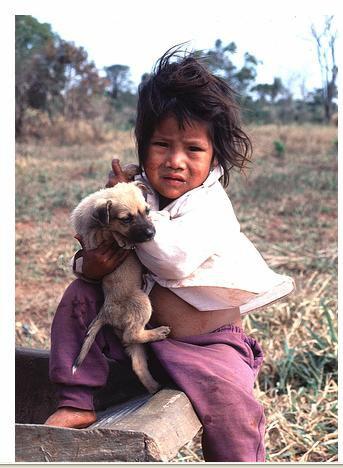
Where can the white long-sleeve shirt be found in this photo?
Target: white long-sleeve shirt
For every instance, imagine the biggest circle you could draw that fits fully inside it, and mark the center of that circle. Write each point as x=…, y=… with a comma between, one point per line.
x=201, y=255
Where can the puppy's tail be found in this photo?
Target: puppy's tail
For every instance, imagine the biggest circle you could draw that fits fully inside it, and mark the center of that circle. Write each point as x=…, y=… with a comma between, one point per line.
x=88, y=341
x=138, y=357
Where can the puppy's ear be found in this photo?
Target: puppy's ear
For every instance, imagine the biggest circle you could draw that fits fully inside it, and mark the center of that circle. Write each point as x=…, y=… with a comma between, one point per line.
x=143, y=187
x=101, y=212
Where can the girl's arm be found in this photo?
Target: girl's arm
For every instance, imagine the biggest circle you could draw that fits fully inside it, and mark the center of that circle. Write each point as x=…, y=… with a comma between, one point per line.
x=92, y=265
x=182, y=244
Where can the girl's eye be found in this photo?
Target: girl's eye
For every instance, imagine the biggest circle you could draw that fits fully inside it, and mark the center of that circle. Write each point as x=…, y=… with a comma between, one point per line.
x=195, y=148
x=160, y=143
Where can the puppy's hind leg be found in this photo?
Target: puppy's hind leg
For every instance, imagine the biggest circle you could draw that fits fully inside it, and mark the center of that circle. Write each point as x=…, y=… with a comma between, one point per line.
x=140, y=367
x=92, y=331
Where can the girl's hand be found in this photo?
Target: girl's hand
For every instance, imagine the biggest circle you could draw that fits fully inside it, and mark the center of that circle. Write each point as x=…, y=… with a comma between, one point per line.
x=103, y=260
x=118, y=175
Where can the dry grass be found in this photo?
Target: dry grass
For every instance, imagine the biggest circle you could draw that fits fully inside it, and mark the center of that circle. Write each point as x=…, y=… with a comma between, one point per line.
x=307, y=139
x=286, y=205
x=38, y=126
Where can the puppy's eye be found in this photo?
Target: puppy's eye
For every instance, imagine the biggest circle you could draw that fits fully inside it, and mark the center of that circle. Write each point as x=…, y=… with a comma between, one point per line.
x=126, y=220
x=147, y=210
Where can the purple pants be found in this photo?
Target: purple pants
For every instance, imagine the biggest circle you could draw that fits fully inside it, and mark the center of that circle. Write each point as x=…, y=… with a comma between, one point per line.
x=216, y=370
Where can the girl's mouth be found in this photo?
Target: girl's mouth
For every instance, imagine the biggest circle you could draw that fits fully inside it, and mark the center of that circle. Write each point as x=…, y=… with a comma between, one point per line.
x=176, y=177
x=173, y=181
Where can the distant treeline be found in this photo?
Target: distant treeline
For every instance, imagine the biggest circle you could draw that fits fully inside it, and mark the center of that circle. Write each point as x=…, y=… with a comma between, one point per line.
x=55, y=77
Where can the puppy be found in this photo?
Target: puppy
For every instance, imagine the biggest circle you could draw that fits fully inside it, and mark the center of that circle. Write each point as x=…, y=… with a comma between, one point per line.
x=121, y=213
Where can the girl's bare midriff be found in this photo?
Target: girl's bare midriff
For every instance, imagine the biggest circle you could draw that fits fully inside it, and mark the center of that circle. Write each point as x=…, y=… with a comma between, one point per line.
x=184, y=319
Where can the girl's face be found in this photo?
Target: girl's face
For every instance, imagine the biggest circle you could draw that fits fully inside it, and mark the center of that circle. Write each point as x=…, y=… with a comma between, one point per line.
x=178, y=160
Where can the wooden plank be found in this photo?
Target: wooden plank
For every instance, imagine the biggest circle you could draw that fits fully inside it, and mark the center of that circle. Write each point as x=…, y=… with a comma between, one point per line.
x=36, y=396
x=108, y=417
x=168, y=421
x=142, y=430
x=37, y=443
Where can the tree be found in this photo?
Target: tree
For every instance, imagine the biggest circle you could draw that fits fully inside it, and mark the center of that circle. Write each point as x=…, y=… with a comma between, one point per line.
x=82, y=81
x=52, y=75
x=325, y=42
x=262, y=90
x=272, y=91
x=30, y=39
x=118, y=76
x=277, y=89
x=219, y=61
x=247, y=74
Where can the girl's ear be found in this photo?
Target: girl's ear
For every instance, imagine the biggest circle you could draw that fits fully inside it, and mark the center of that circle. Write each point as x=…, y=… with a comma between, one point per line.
x=214, y=163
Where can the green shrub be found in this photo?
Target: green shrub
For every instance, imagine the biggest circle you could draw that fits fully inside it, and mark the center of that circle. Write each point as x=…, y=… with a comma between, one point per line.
x=279, y=148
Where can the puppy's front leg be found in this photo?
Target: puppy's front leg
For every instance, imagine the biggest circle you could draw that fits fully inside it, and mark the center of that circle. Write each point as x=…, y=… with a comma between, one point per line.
x=141, y=335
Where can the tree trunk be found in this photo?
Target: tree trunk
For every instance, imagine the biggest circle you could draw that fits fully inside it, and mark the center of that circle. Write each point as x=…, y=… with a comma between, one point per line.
x=19, y=117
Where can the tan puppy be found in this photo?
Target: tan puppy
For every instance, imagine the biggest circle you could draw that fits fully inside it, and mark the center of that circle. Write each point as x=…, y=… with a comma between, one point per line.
x=121, y=213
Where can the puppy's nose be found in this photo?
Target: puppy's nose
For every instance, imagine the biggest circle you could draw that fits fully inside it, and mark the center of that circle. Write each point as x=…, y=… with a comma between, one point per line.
x=149, y=232
x=142, y=233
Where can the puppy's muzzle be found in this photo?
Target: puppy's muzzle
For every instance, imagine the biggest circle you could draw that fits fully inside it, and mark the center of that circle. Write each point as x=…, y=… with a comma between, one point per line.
x=142, y=233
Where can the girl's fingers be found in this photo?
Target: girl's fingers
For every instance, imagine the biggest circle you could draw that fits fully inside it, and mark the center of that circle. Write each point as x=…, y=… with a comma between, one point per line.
x=116, y=175
x=119, y=254
x=117, y=170
x=107, y=246
x=78, y=237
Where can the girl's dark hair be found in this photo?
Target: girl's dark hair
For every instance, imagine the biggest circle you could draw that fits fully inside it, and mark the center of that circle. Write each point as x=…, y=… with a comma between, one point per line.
x=180, y=85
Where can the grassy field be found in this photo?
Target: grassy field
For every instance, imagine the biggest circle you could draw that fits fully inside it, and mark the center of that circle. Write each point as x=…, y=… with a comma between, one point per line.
x=286, y=204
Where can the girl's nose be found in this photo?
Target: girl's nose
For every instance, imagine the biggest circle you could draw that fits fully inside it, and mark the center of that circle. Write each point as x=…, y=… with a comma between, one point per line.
x=176, y=159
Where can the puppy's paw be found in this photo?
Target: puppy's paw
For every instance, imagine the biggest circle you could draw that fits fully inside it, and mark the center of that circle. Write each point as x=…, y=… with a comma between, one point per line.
x=162, y=332
x=153, y=387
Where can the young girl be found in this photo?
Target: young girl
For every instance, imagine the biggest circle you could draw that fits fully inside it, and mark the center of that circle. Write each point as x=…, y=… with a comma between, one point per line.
x=202, y=272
